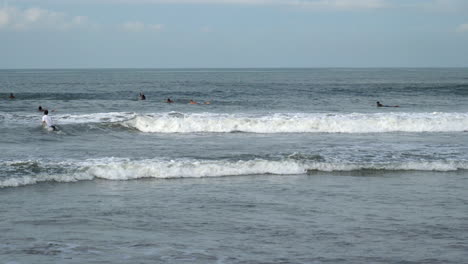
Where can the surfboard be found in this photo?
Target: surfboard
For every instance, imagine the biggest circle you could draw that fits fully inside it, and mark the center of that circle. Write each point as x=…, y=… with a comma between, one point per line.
x=48, y=128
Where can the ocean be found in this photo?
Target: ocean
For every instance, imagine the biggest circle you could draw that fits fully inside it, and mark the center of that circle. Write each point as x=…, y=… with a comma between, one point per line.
x=271, y=166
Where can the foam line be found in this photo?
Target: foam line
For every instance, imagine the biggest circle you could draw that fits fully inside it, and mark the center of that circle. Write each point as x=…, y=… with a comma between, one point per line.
x=124, y=169
x=300, y=123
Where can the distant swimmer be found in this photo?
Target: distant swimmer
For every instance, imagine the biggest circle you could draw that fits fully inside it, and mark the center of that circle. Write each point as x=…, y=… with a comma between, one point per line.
x=41, y=109
x=381, y=105
x=142, y=96
x=207, y=102
x=46, y=120
x=192, y=102
x=169, y=101
x=12, y=96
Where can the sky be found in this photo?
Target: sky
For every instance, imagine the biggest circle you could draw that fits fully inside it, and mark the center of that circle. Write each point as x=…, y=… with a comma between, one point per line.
x=233, y=33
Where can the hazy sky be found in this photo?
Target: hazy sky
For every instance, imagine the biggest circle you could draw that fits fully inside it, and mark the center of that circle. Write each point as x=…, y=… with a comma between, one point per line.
x=233, y=33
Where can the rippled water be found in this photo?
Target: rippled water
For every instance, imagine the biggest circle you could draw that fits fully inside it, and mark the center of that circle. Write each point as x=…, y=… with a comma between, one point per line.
x=283, y=165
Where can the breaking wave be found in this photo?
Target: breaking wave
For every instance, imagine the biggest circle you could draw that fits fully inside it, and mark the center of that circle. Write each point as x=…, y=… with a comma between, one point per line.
x=174, y=122
x=61, y=119
x=299, y=123
x=19, y=173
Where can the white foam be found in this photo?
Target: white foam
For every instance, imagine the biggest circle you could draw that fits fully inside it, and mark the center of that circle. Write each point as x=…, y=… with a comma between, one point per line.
x=392, y=166
x=93, y=118
x=60, y=118
x=267, y=123
x=124, y=169
x=300, y=123
x=28, y=180
x=192, y=168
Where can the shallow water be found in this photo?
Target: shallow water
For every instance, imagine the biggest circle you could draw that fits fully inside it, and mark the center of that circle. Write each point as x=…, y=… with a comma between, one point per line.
x=386, y=217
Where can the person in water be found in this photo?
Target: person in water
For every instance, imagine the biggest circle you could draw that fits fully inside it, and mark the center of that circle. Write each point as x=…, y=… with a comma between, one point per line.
x=192, y=102
x=46, y=120
x=381, y=105
x=142, y=96
x=41, y=109
x=169, y=101
x=12, y=96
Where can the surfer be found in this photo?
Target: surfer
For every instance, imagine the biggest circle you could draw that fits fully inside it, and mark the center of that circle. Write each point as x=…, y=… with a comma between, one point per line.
x=169, y=101
x=381, y=105
x=142, y=96
x=192, y=102
x=12, y=96
x=41, y=109
x=46, y=120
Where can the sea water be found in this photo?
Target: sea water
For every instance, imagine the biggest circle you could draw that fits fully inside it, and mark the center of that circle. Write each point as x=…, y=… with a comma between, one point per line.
x=271, y=166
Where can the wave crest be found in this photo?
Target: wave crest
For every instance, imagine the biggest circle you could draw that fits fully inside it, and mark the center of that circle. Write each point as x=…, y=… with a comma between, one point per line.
x=300, y=123
x=124, y=169
x=174, y=122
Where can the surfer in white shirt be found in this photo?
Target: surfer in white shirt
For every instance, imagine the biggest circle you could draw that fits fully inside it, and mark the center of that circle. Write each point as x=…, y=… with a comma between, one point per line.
x=46, y=120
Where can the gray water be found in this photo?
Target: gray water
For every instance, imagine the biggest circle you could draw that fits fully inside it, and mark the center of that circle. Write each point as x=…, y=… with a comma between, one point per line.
x=283, y=166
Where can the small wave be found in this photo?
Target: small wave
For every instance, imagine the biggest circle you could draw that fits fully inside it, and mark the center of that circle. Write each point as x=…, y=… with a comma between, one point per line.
x=61, y=119
x=300, y=123
x=125, y=169
x=94, y=117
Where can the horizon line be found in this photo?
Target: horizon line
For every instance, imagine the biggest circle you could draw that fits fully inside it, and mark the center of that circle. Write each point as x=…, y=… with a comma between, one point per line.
x=238, y=68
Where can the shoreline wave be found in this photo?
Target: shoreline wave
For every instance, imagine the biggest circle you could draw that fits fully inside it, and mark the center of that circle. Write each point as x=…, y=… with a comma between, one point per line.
x=126, y=169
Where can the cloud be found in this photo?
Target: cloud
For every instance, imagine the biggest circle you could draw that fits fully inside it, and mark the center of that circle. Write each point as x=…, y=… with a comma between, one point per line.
x=462, y=28
x=12, y=18
x=311, y=4
x=133, y=26
x=4, y=17
x=431, y=5
x=320, y=4
x=341, y=4
x=328, y=5
x=137, y=26
x=155, y=27
x=16, y=19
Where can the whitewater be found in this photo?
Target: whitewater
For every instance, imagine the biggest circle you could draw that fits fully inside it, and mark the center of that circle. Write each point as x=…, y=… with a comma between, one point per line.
x=124, y=169
x=251, y=126
x=300, y=123
x=176, y=122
